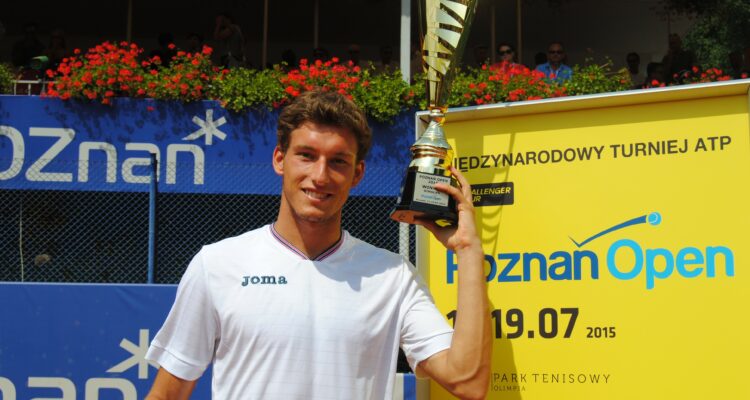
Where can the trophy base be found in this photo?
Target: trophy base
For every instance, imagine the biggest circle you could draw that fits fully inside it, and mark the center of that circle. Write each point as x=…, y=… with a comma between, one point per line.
x=419, y=200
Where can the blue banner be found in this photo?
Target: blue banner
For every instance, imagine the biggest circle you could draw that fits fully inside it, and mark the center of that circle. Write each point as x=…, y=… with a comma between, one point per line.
x=200, y=147
x=70, y=341
x=80, y=341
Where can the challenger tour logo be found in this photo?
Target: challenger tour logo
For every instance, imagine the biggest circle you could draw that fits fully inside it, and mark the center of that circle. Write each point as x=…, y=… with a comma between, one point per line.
x=625, y=259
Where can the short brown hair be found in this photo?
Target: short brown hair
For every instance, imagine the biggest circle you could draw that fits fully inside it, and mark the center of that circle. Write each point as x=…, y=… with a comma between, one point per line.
x=324, y=108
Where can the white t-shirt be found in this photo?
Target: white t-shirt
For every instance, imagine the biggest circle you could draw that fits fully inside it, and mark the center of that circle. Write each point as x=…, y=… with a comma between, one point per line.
x=277, y=325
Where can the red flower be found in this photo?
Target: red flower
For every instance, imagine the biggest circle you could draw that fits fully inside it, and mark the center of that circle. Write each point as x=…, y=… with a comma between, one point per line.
x=171, y=46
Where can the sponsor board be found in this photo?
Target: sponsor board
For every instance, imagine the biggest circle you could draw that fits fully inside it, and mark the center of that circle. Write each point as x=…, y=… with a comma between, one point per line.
x=619, y=267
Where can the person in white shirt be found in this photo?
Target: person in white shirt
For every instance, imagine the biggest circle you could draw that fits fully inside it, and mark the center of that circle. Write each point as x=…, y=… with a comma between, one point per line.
x=299, y=309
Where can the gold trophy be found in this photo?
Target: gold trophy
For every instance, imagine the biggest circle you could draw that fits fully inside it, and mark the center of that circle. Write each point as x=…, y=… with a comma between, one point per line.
x=446, y=31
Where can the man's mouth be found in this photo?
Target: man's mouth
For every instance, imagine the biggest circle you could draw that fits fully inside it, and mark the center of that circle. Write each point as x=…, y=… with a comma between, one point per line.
x=316, y=195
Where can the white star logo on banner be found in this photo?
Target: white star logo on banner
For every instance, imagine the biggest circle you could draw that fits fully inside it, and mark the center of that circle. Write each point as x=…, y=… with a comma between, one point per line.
x=138, y=356
x=208, y=128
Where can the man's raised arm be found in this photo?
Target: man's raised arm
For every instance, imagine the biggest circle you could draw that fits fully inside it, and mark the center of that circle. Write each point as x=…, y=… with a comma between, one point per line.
x=464, y=368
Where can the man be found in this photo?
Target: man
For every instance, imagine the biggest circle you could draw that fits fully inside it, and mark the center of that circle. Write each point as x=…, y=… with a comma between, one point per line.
x=232, y=42
x=634, y=69
x=554, y=69
x=481, y=56
x=300, y=309
x=677, y=60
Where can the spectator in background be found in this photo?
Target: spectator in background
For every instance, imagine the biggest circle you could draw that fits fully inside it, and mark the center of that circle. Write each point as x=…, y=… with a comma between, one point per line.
x=386, y=62
x=28, y=47
x=354, y=53
x=735, y=63
x=507, y=55
x=194, y=43
x=539, y=59
x=57, y=49
x=554, y=69
x=166, y=49
x=481, y=56
x=655, y=75
x=321, y=53
x=634, y=69
x=677, y=59
x=232, y=43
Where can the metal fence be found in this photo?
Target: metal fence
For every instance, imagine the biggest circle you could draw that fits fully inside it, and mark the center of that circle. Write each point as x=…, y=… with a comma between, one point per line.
x=102, y=236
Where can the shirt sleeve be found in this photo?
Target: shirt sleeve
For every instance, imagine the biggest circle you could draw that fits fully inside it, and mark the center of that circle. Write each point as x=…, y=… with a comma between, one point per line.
x=424, y=330
x=185, y=344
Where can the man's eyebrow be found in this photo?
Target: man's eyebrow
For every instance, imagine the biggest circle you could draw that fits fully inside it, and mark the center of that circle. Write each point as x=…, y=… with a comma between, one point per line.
x=300, y=147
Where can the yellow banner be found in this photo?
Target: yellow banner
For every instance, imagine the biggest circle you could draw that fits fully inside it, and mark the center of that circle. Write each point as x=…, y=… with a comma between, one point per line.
x=616, y=244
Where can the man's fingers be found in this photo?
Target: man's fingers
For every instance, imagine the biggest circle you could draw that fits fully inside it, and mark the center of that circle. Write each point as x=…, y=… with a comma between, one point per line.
x=427, y=223
x=465, y=186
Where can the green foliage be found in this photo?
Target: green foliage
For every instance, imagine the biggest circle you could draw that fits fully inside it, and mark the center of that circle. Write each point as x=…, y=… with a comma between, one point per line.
x=6, y=79
x=113, y=70
x=383, y=96
x=595, y=78
x=720, y=28
x=242, y=88
x=462, y=83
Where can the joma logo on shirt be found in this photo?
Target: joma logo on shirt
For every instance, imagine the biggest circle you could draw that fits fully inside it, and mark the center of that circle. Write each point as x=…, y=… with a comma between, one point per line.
x=263, y=280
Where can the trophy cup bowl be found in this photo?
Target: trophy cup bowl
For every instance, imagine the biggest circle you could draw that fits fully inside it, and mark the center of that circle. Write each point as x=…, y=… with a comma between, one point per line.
x=446, y=30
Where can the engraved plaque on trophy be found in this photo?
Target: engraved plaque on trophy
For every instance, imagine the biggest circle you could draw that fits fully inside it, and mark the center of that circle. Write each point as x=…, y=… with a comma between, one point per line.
x=446, y=29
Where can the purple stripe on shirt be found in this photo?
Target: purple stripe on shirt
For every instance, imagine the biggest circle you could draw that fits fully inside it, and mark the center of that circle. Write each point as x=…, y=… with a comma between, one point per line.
x=291, y=247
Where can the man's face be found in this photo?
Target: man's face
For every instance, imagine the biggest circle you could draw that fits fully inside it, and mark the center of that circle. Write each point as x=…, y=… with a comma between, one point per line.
x=555, y=53
x=318, y=170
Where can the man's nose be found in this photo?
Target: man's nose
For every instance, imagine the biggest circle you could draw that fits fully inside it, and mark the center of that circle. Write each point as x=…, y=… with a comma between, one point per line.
x=320, y=173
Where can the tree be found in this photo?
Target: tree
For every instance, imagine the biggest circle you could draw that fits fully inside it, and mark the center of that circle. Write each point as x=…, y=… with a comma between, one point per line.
x=720, y=28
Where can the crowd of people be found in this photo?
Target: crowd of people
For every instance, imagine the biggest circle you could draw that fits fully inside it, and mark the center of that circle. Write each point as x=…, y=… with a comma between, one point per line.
x=674, y=66
x=32, y=56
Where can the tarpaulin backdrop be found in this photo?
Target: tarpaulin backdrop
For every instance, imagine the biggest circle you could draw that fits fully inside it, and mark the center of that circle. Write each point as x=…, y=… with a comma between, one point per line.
x=615, y=232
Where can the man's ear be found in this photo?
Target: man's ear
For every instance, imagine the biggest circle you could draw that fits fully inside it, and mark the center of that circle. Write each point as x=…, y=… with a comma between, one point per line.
x=278, y=161
x=359, y=173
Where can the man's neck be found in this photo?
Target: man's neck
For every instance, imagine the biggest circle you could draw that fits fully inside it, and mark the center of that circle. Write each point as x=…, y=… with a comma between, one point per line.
x=311, y=238
x=555, y=66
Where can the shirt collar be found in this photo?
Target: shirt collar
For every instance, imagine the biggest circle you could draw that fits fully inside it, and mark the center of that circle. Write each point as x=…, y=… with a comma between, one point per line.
x=322, y=256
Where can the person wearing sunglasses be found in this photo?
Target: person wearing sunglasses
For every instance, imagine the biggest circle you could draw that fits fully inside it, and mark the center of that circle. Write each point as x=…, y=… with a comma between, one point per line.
x=555, y=69
x=506, y=52
x=507, y=60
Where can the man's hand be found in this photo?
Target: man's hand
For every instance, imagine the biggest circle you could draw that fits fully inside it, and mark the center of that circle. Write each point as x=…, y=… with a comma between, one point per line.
x=464, y=234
